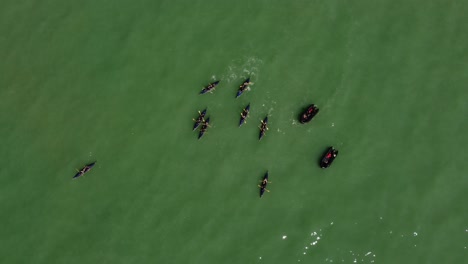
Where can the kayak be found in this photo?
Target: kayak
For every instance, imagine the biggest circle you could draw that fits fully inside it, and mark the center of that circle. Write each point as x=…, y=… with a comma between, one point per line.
x=263, y=127
x=244, y=115
x=210, y=87
x=84, y=170
x=204, y=127
x=308, y=114
x=200, y=119
x=328, y=157
x=263, y=184
x=243, y=87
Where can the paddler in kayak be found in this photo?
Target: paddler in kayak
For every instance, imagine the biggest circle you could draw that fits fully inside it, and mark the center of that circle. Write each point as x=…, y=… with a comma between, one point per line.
x=200, y=119
x=263, y=184
x=204, y=127
x=84, y=170
x=263, y=127
x=244, y=114
x=209, y=88
x=243, y=87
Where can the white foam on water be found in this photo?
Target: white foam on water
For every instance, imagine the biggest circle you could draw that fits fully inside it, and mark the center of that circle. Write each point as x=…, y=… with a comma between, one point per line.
x=233, y=76
x=284, y=237
x=368, y=253
x=242, y=68
x=316, y=236
x=415, y=234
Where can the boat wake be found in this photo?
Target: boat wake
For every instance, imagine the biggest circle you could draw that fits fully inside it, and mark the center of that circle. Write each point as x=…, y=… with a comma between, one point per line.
x=242, y=69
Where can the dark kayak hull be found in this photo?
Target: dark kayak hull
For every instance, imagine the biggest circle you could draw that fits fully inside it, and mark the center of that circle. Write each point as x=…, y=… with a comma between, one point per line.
x=328, y=158
x=263, y=131
x=80, y=173
x=243, y=118
x=263, y=185
x=242, y=88
x=199, y=120
x=200, y=134
x=308, y=114
x=208, y=88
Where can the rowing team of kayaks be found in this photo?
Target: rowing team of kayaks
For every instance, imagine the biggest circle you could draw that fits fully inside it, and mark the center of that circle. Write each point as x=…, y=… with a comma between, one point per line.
x=200, y=120
x=203, y=123
x=212, y=86
x=305, y=117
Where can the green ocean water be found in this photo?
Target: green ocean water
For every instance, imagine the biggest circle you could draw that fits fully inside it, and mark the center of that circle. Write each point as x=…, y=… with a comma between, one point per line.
x=117, y=82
